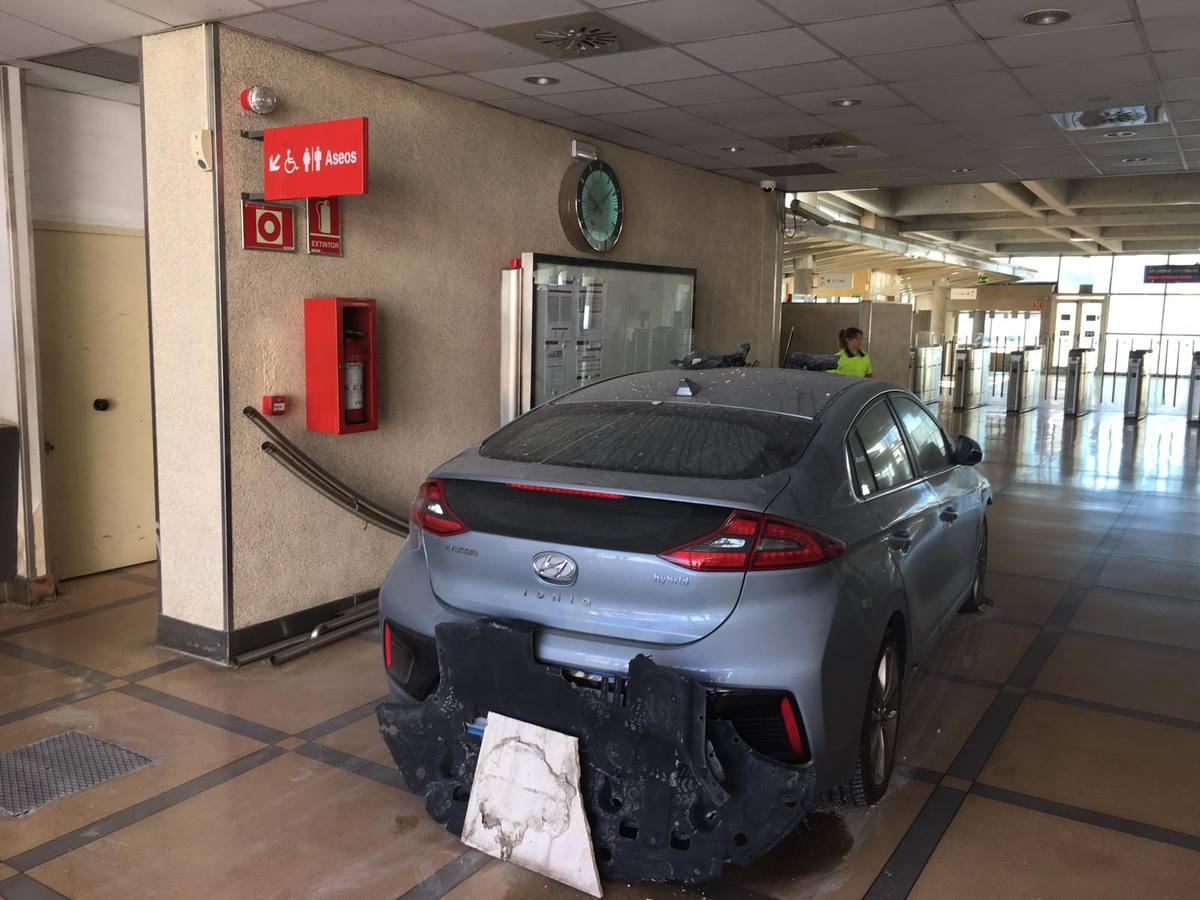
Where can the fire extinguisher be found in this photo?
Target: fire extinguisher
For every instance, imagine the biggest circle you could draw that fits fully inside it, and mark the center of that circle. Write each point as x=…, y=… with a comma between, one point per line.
x=355, y=356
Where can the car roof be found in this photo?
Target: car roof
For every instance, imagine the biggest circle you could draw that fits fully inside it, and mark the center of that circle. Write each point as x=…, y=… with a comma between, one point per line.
x=793, y=392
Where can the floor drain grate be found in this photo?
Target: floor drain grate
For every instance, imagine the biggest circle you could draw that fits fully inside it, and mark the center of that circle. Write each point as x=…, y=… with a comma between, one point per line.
x=55, y=767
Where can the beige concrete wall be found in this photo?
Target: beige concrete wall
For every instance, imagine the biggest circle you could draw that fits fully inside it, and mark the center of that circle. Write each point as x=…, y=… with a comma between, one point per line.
x=183, y=286
x=887, y=328
x=457, y=188
x=889, y=338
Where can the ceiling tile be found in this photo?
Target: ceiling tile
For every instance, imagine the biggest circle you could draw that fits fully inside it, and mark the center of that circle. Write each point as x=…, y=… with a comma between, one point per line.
x=965, y=95
x=1189, y=142
x=1173, y=33
x=1002, y=18
x=691, y=91
x=1186, y=117
x=750, y=153
x=293, y=31
x=1178, y=63
x=1155, y=168
x=376, y=22
x=185, y=12
x=1182, y=89
x=677, y=21
x=671, y=125
x=912, y=137
x=1140, y=133
x=386, y=61
x=569, y=79
x=764, y=50
x=582, y=124
x=835, y=73
x=1116, y=95
x=740, y=174
x=784, y=125
x=930, y=62
x=1059, y=77
x=122, y=93
x=467, y=87
x=908, y=30
x=685, y=156
x=893, y=117
x=532, y=108
x=607, y=131
x=1016, y=131
x=489, y=13
x=1082, y=43
x=644, y=66
x=873, y=96
x=733, y=111
x=19, y=38
x=95, y=22
x=1152, y=9
x=807, y=12
x=470, y=51
x=1156, y=147
x=606, y=100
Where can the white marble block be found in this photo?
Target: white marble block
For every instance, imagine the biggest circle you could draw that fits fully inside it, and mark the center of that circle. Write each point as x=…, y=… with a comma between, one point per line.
x=525, y=805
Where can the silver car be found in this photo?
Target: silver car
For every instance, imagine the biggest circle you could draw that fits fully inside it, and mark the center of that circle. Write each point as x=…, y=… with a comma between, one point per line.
x=716, y=582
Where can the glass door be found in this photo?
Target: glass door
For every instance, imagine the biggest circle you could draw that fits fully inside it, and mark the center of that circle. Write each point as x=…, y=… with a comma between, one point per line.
x=1077, y=324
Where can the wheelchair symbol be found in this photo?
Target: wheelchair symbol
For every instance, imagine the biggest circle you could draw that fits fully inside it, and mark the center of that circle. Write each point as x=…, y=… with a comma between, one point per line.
x=289, y=164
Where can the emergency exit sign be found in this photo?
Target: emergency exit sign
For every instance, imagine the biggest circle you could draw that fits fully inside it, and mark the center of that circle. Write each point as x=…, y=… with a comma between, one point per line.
x=320, y=159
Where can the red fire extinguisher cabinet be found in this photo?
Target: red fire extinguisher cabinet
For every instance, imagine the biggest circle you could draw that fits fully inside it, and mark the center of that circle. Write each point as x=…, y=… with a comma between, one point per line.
x=339, y=364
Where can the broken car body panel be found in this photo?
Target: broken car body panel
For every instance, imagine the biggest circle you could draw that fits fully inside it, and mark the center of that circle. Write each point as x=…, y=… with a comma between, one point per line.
x=670, y=796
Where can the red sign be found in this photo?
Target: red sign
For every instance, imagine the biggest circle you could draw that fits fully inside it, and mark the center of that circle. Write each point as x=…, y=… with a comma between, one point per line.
x=266, y=226
x=321, y=159
x=325, y=226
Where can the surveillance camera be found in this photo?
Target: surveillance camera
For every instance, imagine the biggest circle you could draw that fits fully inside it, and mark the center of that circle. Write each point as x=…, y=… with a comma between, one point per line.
x=202, y=149
x=767, y=185
x=808, y=213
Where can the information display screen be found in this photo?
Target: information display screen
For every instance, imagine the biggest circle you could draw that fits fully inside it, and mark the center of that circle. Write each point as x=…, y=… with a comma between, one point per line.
x=594, y=320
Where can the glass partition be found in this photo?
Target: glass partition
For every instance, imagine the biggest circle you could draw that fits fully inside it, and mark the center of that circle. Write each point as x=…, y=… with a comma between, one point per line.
x=594, y=320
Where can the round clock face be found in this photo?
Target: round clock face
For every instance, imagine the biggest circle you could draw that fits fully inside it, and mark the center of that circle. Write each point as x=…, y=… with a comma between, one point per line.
x=594, y=207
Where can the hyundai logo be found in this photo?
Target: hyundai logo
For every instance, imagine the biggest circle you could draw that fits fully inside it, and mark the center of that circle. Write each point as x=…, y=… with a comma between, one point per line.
x=554, y=568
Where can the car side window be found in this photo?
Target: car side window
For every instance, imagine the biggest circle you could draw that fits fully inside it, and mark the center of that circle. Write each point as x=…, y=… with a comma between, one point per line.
x=886, y=456
x=864, y=479
x=928, y=441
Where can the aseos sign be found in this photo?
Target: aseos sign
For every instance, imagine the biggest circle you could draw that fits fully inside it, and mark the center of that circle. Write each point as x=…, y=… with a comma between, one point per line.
x=321, y=159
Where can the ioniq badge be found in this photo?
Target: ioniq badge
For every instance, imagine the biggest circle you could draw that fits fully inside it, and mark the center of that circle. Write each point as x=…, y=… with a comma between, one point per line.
x=554, y=568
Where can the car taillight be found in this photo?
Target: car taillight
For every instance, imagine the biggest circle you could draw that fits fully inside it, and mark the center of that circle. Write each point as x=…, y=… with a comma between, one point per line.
x=750, y=542
x=387, y=644
x=726, y=549
x=431, y=512
x=573, y=492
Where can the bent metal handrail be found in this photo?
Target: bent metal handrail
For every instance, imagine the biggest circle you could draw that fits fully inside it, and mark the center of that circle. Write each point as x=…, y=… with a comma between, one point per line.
x=300, y=465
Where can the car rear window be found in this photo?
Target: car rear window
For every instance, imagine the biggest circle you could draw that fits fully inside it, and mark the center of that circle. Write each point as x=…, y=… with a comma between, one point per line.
x=684, y=440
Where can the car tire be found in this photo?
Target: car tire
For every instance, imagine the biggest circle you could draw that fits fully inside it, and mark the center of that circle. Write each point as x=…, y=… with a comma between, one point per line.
x=881, y=727
x=977, y=600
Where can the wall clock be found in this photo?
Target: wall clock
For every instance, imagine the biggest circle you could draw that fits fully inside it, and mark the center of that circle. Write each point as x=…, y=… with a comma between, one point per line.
x=592, y=206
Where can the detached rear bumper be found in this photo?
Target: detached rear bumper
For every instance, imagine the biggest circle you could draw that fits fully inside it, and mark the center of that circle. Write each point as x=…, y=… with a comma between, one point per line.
x=669, y=795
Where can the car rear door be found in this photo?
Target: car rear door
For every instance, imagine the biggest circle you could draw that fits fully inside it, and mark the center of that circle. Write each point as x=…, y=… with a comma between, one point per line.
x=960, y=502
x=906, y=509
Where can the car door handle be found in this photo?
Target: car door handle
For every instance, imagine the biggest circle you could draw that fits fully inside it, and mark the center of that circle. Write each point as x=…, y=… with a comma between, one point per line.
x=900, y=540
x=949, y=514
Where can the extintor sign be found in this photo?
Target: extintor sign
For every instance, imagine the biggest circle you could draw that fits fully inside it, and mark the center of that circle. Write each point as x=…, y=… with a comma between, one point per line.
x=324, y=226
x=321, y=159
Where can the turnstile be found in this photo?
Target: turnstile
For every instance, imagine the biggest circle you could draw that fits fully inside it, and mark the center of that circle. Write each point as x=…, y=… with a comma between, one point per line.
x=1137, y=386
x=970, y=377
x=1081, y=386
x=925, y=373
x=1193, y=407
x=1024, y=379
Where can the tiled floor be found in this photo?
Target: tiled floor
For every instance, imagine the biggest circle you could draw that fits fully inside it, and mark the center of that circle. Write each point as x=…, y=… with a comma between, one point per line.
x=1047, y=748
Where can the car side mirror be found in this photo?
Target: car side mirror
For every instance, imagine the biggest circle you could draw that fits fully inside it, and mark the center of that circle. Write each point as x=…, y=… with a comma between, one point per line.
x=967, y=452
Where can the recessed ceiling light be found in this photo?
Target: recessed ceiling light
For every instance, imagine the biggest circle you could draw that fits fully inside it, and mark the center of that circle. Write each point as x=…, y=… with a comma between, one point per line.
x=733, y=148
x=965, y=170
x=845, y=101
x=1082, y=240
x=1124, y=133
x=1046, y=17
x=540, y=80
x=1137, y=159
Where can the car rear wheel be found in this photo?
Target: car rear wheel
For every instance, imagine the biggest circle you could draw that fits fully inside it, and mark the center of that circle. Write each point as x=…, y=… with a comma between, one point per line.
x=977, y=600
x=881, y=727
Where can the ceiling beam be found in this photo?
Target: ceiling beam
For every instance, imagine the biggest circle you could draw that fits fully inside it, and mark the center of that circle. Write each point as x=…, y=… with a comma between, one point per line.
x=880, y=202
x=1013, y=198
x=1053, y=193
x=1151, y=216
